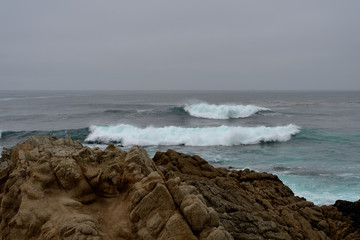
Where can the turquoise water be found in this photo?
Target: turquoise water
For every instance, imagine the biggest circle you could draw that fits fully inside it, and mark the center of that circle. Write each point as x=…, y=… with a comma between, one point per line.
x=320, y=166
x=311, y=140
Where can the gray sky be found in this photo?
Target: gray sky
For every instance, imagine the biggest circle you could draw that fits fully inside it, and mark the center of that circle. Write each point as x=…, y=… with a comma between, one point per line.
x=201, y=44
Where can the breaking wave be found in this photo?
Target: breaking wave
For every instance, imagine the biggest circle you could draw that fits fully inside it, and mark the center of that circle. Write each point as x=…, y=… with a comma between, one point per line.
x=212, y=111
x=208, y=136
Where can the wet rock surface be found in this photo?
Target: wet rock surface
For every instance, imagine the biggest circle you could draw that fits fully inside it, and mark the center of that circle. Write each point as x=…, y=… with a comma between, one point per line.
x=58, y=189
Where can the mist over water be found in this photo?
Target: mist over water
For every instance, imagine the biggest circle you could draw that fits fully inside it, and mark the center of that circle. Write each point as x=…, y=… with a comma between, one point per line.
x=309, y=139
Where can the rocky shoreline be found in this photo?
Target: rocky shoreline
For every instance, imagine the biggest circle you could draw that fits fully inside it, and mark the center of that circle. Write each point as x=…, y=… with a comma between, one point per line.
x=59, y=189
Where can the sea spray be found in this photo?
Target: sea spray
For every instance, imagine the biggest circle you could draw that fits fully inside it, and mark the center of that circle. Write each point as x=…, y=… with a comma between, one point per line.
x=212, y=111
x=206, y=136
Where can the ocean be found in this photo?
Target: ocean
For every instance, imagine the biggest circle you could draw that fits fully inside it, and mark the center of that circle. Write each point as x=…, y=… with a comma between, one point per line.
x=311, y=140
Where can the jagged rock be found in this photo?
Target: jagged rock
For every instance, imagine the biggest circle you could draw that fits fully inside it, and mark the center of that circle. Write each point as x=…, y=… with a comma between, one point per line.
x=195, y=212
x=153, y=210
x=253, y=205
x=58, y=189
x=176, y=228
x=219, y=234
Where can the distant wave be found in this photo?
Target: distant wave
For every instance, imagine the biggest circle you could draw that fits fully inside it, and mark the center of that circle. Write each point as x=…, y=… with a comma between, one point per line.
x=26, y=98
x=178, y=110
x=212, y=111
x=128, y=111
x=207, y=136
x=6, y=99
x=15, y=136
x=119, y=111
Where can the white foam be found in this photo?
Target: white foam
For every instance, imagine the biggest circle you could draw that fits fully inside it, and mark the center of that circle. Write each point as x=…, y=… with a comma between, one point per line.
x=325, y=197
x=209, y=136
x=212, y=111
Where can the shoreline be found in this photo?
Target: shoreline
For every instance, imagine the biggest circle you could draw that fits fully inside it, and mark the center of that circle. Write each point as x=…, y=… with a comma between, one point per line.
x=215, y=164
x=113, y=194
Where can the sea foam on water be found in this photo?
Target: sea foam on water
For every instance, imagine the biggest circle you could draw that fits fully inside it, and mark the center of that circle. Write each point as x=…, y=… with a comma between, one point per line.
x=212, y=111
x=205, y=136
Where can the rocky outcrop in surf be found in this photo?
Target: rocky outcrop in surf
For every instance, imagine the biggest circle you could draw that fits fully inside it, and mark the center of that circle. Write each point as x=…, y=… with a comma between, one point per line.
x=59, y=189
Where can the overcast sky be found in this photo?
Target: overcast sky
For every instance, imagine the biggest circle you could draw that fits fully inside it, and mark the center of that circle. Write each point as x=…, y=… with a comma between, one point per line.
x=197, y=44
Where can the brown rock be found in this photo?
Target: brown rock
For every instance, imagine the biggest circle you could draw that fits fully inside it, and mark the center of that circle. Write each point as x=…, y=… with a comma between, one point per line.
x=350, y=209
x=177, y=229
x=57, y=189
x=251, y=205
x=196, y=214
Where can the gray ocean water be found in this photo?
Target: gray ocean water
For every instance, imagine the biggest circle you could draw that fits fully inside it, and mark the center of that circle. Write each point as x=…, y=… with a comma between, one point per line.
x=311, y=140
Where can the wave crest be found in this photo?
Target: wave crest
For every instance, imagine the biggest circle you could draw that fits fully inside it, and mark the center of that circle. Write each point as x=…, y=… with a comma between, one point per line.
x=207, y=136
x=212, y=111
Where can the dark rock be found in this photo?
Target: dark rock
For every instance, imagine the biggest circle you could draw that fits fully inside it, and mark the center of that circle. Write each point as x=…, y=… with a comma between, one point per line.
x=351, y=210
x=253, y=205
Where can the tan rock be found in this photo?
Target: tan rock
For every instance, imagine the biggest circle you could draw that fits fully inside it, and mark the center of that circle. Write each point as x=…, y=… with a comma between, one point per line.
x=140, y=160
x=58, y=189
x=176, y=229
x=219, y=234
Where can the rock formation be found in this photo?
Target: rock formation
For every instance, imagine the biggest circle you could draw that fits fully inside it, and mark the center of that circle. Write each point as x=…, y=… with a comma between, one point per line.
x=59, y=189
x=351, y=210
